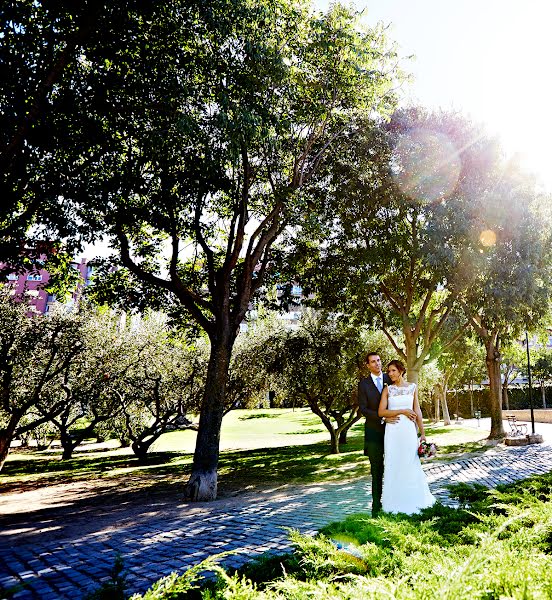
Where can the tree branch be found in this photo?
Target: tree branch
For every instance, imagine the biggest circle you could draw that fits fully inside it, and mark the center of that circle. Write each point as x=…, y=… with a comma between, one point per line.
x=189, y=299
x=387, y=333
x=8, y=153
x=475, y=322
x=205, y=246
x=423, y=310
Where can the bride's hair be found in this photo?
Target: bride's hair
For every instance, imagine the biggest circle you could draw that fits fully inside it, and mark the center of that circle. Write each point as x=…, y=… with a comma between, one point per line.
x=398, y=365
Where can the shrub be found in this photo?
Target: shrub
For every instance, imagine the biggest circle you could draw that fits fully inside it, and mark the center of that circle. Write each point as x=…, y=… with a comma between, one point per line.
x=498, y=544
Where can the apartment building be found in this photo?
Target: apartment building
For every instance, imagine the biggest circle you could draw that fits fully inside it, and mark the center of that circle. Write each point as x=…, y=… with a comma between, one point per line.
x=32, y=284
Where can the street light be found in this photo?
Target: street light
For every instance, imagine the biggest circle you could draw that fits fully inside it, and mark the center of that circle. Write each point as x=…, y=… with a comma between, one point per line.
x=530, y=384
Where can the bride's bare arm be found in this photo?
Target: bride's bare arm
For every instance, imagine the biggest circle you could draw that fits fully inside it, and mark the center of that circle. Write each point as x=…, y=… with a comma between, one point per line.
x=418, y=411
x=383, y=411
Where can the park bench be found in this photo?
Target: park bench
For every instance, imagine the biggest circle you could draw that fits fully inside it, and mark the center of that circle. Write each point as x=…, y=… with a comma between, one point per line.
x=516, y=429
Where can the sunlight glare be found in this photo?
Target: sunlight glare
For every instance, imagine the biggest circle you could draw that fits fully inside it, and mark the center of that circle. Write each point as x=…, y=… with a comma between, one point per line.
x=487, y=238
x=428, y=165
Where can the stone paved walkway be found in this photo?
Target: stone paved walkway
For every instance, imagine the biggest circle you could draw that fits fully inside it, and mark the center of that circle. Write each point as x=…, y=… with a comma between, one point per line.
x=67, y=560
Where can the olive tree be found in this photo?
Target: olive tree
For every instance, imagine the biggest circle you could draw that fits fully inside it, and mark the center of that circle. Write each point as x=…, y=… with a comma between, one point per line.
x=320, y=364
x=35, y=353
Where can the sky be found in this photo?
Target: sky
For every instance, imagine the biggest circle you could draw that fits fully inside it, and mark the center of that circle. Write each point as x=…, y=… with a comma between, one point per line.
x=489, y=59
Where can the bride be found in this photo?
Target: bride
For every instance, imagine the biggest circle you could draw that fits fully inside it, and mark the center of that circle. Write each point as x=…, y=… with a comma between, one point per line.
x=405, y=488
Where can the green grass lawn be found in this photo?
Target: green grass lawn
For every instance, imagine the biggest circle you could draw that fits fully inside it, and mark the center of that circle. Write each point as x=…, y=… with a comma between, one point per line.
x=257, y=448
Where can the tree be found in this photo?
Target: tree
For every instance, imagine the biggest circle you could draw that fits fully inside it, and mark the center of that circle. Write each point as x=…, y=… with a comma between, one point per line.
x=457, y=226
x=320, y=364
x=542, y=370
x=460, y=364
x=509, y=268
x=513, y=357
x=475, y=368
x=93, y=380
x=35, y=352
x=192, y=137
x=161, y=388
x=249, y=380
x=390, y=245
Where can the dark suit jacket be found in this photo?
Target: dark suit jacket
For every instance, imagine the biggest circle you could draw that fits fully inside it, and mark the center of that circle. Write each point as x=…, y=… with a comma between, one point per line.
x=368, y=401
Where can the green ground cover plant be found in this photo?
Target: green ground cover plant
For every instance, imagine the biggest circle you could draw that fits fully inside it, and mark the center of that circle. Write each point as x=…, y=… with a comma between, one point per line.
x=496, y=544
x=261, y=447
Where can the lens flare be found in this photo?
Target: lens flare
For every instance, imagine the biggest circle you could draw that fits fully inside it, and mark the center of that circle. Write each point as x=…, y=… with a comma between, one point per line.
x=487, y=238
x=427, y=165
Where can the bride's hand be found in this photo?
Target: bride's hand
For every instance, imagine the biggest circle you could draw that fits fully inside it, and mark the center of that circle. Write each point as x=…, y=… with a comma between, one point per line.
x=410, y=414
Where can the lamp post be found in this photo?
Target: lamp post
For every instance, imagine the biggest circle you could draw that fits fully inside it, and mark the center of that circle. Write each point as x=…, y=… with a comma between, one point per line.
x=530, y=383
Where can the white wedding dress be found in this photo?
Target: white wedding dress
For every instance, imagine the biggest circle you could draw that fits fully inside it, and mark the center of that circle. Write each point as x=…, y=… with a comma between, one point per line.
x=405, y=488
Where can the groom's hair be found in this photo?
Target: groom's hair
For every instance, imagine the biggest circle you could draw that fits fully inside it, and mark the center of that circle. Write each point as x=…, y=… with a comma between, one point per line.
x=367, y=359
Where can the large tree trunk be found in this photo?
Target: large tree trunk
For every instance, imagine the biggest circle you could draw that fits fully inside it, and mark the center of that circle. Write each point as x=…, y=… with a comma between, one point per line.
x=67, y=444
x=412, y=370
x=334, y=441
x=413, y=364
x=492, y=361
x=343, y=426
x=441, y=400
x=141, y=449
x=67, y=453
x=202, y=485
x=7, y=435
x=343, y=436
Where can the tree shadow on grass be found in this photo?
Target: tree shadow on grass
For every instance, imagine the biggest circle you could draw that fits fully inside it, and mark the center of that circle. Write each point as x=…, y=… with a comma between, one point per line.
x=293, y=464
x=157, y=487
x=238, y=469
x=47, y=470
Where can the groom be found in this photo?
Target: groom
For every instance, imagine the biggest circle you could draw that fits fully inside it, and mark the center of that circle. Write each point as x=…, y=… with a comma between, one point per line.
x=369, y=394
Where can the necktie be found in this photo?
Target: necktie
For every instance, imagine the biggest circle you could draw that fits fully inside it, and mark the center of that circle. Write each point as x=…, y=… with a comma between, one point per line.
x=378, y=383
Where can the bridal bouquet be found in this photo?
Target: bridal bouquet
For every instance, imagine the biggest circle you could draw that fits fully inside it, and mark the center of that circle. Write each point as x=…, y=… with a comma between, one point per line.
x=427, y=449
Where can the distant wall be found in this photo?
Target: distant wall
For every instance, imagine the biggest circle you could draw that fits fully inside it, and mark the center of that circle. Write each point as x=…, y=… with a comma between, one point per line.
x=518, y=400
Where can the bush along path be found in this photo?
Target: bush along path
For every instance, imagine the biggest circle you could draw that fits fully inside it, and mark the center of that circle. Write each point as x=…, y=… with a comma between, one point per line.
x=496, y=544
x=37, y=562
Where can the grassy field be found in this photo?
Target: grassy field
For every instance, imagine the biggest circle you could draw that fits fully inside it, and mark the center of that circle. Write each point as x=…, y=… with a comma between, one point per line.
x=257, y=448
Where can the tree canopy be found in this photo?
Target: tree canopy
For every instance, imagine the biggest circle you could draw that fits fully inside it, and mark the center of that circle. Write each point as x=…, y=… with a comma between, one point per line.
x=43, y=46
x=390, y=247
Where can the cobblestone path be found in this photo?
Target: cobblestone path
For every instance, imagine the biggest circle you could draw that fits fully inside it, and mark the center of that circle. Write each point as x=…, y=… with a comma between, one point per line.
x=55, y=561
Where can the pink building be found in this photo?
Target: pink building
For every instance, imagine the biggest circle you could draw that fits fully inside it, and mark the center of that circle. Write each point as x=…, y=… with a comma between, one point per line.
x=33, y=283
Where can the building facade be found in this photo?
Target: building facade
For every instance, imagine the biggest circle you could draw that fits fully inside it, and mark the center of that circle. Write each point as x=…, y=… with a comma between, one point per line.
x=32, y=284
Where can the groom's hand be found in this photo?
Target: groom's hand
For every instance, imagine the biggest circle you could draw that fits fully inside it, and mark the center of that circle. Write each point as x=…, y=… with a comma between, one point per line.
x=392, y=420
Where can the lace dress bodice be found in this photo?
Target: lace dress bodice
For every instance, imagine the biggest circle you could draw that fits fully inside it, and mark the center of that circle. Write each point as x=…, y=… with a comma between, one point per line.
x=400, y=396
